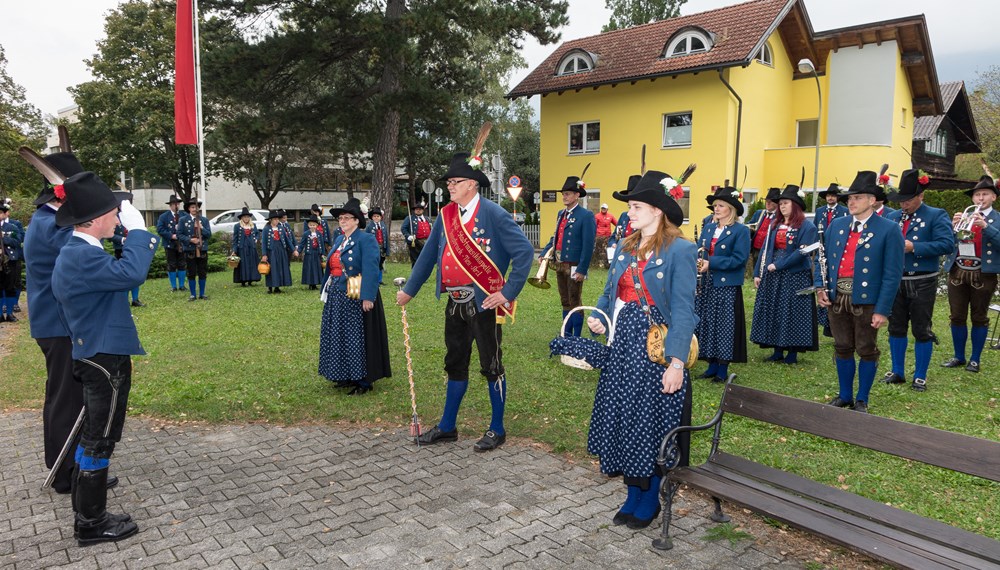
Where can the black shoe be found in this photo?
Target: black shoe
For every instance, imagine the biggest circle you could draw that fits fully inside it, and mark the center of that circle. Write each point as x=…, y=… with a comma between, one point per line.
x=861, y=406
x=840, y=403
x=919, y=385
x=490, y=441
x=775, y=358
x=953, y=363
x=707, y=374
x=138, y=303
x=827, y=332
x=12, y=319
x=277, y=290
x=203, y=297
x=621, y=518
x=893, y=378
x=270, y=290
x=636, y=523
x=435, y=435
x=93, y=523
x=973, y=366
x=718, y=380
x=359, y=389
x=17, y=308
x=192, y=298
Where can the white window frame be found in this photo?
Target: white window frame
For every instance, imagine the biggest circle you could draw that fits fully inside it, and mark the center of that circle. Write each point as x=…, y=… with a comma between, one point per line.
x=765, y=55
x=584, y=149
x=575, y=58
x=798, y=127
x=663, y=133
x=937, y=145
x=684, y=39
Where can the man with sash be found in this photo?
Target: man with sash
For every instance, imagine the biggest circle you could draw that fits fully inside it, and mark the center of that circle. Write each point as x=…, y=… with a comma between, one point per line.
x=573, y=242
x=972, y=270
x=864, y=255
x=927, y=235
x=472, y=242
x=416, y=229
x=166, y=226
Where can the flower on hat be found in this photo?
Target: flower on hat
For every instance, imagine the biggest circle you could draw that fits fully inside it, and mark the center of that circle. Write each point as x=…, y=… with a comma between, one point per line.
x=923, y=178
x=581, y=185
x=672, y=187
x=59, y=191
x=884, y=179
x=476, y=162
x=736, y=194
x=801, y=193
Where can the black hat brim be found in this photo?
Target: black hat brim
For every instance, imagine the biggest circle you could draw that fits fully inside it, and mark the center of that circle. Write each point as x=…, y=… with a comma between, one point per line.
x=736, y=204
x=657, y=199
x=45, y=196
x=64, y=217
x=336, y=212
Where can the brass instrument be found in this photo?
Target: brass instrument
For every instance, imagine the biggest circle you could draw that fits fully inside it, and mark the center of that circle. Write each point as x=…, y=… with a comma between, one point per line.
x=700, y=259
x=963, y=229
x=541, y=278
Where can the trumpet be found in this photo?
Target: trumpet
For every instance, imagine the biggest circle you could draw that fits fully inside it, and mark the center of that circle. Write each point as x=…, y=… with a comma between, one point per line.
x=963, y=228
x=541, y=278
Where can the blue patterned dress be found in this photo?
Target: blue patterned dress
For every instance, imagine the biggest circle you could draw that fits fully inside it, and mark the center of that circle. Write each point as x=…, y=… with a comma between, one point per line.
x=312, y=247
x=781, y=318
x=245, y=245
x=276, y=249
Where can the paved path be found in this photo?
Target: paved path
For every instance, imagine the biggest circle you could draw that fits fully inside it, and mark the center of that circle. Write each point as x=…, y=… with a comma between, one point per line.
x=256, y=496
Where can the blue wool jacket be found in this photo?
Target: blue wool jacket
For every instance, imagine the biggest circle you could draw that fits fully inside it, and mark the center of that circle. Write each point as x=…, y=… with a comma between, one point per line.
x=371, y=228
x=619, y=233
x=932, y=236
x=268, y=243
x=991, y=246
x=804, y=235
x=90, y=286
x=359, y=256
x=409, y=227
x=578, y=238
x=185, y=231
x=839, y=211
x=499, y=236
x=670, y=278
x=12, y=238
x=118, y=240
x=878, y=261
x=886, y=210
x=166, y=227
x=728, y=265
x=42, y=243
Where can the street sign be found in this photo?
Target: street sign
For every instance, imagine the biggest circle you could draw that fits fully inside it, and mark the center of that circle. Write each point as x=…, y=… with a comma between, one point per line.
x=438, y=194
x=513, y=182
x=514, y=192
x=537, y=197
x=428, y=186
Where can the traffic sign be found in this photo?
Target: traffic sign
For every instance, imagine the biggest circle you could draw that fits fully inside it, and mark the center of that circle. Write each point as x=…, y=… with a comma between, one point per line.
x=513, y=182
x=428, y=186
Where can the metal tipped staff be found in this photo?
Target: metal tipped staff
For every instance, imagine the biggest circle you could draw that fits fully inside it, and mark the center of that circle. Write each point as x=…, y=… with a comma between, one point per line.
x=415, y=420
x=65, y=450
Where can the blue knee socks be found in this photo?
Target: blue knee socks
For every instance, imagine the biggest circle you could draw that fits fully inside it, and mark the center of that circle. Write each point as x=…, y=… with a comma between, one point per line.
x=201, y=286
x=191, y=285
x=897, y=350
x=922, y=358
x=135, y=294
x=866, y=377
x=79, y=454
x=93, y=463
x=631, y=500
x=649, y=500
x=713, y=369
x=845, y=377
x=978, y=341
x=723, y=370
x=172, y=275
x=498, y=399
x=181, y=276
x=452, y=401
x=958, y=337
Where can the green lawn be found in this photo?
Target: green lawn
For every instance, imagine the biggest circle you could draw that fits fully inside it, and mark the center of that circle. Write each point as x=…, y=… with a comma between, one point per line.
x=244, y=356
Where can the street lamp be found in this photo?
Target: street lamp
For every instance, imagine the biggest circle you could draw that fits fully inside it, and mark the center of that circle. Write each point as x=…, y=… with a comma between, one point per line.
x=806, y=66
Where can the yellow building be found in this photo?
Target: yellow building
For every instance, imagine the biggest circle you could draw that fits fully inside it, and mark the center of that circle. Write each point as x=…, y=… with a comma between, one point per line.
x=727, y=89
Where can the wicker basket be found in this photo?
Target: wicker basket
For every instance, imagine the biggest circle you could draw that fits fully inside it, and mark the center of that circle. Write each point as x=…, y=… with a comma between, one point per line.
x=233, y=261
x=577, y=362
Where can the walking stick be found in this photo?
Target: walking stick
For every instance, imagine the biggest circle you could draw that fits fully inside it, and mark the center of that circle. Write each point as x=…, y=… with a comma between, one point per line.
x=65, y=450
x=414, y=421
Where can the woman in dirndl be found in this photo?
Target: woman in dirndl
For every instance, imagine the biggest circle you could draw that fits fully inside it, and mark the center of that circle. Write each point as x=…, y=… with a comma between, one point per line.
x=246, y=236
x=312, y=248
x=276, y=243
x=783, y=319
x=353, y=341
x=722, y=259
x=651, y=280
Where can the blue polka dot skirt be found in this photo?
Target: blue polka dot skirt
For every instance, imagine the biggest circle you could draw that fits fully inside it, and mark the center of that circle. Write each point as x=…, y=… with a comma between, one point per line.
x=342, y=340
x=782, y=319
x=631, y=415
x=722, y=328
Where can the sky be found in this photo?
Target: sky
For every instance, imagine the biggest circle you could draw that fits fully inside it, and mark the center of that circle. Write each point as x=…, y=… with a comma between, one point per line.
x=47, y=42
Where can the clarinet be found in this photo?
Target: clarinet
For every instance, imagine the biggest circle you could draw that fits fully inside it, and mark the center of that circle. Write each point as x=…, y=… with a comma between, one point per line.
x=821, y=254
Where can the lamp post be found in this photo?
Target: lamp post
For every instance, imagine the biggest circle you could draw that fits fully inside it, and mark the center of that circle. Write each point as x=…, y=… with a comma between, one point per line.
x=806, y=66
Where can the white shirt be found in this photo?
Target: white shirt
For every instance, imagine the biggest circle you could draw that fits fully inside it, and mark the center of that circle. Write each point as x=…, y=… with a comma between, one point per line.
x=863, y=222
x=88, y=238
x=469, y=208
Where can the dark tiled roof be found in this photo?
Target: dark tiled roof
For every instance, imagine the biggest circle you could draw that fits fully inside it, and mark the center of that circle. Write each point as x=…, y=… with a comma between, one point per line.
x=925, y=127
x=635, y=53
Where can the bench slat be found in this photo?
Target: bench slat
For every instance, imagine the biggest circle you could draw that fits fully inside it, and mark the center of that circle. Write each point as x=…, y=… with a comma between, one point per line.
x=806, y=517
x=962, y=453
x=936, y=537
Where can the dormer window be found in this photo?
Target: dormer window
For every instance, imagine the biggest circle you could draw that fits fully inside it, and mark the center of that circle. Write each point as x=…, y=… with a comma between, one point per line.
x=576, y=62
x=687, y=42
x=765, y=56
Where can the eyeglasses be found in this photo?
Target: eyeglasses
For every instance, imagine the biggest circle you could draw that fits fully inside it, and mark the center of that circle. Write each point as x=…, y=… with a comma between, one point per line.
x=457, y=181
x=343, y=217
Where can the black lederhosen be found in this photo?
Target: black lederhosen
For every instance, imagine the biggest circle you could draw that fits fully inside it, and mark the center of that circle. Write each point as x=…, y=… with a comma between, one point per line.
x=464, y=324
x=914, y=305
x=176, y=260
x=107, y=380
x=970, y=290
x=197, y=266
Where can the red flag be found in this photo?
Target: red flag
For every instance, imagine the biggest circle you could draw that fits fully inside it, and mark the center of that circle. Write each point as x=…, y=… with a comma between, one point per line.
x=185, y=111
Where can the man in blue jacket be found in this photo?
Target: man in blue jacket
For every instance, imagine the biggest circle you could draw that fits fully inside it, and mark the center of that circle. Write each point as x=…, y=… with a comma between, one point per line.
x=193, y=232
x=864, y=254
x=166, y=226
x=10, y=264
x=576, y=230
x=830, y=211
x=927, y=235
x=472, y=243
x=91, y=288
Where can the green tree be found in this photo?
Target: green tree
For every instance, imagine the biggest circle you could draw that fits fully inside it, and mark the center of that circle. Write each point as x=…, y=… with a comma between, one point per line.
x=985, y=101
x=21, y=124
x=628, y=13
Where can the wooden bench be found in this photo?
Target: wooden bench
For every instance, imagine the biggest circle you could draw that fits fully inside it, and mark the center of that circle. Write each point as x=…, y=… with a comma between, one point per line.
x=897, y=537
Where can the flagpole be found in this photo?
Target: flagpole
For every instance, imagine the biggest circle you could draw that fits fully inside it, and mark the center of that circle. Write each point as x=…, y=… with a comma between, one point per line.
x=198, y=106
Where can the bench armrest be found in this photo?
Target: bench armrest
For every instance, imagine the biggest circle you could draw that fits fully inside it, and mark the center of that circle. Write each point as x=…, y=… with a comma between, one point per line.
x=669, y=455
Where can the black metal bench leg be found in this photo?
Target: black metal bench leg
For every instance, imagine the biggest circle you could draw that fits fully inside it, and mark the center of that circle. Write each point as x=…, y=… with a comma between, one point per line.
x=667, y=490
x=719, y=516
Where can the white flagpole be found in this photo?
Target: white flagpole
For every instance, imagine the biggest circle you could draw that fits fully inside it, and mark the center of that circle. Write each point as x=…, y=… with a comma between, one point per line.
x=201, y=125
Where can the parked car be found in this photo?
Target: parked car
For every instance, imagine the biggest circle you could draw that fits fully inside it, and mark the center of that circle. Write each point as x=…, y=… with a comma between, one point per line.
x=225, y=221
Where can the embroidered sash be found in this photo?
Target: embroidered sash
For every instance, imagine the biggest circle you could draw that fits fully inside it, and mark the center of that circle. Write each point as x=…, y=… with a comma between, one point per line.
x=474, y=261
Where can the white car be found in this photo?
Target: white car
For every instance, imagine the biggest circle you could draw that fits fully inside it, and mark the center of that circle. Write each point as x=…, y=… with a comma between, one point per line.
x=225, y=221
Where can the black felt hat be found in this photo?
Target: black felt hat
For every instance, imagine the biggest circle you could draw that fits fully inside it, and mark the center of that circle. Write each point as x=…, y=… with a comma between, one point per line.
x=86, y=197
x=573, y=183
x=174, y=199
x=834, y=189
x=420, y=205
x=865, y=182
x=352, y=207
x=313, y=218
x=985, y=183
x=245, y=212
x=189, y=203
x=651, y=190
x=772, y=194
x=728, y=195
x=4, y=206
x=67, y=164
x=316, y=208
x=793, y=193
x=459, y=167
x=272, y=214
x=909, y=186
x=375, y=211
x=632, y=181
x=282, y=213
